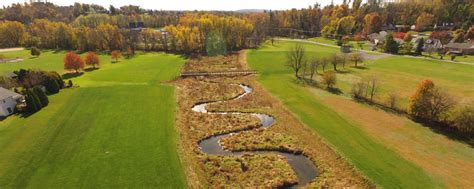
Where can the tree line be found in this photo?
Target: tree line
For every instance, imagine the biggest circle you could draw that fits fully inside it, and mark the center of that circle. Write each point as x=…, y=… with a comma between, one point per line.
x=190, y=35
x=75, y=25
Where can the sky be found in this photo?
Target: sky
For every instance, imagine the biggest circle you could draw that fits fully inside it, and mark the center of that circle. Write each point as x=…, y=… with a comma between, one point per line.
x=194, y=4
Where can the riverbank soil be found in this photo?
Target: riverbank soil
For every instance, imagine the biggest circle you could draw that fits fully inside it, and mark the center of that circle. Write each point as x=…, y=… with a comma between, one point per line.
x=249, y=170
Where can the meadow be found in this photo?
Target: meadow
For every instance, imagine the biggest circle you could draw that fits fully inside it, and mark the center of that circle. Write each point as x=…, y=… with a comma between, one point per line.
x=115, y=130
x=387, y=155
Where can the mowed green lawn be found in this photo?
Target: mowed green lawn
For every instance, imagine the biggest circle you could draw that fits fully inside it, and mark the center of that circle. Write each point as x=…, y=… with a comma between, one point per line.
x=115, y=131
x=396, y=74
x=380, y=164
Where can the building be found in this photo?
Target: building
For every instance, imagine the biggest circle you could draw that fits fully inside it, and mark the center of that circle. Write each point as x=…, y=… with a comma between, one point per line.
x=8, y=101
x=462, y=48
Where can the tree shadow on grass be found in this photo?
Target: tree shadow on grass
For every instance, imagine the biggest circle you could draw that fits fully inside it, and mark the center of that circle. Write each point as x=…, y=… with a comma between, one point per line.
x=72, y=75
x=344, y=71
x=360, y=67
x=334, y=90
x=446, y=130
x=90, y=69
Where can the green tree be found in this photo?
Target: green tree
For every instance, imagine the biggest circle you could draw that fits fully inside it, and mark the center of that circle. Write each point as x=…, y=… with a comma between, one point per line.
x=35, y=52
x=215, y=44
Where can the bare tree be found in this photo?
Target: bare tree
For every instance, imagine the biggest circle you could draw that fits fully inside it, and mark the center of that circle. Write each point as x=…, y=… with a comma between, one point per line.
x=296, y=57
x=393, y=99
x=359, y=90
x=314, y=68
x=373, y=87
x=304, y=66
x=335, y=59
x=356, y=58
x=324, y=63
x=442, y=102
x=343, y=60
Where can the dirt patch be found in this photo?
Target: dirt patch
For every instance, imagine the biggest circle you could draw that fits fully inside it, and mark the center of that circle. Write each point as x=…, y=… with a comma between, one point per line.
x=451, y=161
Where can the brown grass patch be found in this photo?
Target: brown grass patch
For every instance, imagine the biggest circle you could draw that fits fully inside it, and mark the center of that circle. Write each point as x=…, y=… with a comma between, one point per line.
x=438, y=155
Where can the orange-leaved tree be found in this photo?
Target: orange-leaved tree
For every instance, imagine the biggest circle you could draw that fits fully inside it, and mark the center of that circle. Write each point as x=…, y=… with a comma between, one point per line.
x=72, y=61
x=429, y=102
x=115, y=55
x=92, y=59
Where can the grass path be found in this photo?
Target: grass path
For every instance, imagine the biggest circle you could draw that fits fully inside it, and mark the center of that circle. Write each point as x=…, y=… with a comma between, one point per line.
x=115, y=131
x=381, y=164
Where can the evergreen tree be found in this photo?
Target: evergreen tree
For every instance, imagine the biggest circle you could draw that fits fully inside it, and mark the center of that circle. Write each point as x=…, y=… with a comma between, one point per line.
x=31, y=102
x=391, y=46
x=41, y=96
x=419, y=46
x=215, y=44
x=52, y=85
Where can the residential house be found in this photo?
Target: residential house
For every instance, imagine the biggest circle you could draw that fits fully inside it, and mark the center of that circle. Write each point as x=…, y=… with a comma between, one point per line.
x=8, y=101
x=462, y=48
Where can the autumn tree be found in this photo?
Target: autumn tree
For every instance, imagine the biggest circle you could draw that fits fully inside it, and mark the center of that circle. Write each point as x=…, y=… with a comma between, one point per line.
x=423, y=21
x=345, y=25
x=12, y=34
x=429, y=102
x=329, y=79
x=72, y=61
x=372, y=23
x=115, y=55
x=92, y=59
x=296, y=57
x=443, y=36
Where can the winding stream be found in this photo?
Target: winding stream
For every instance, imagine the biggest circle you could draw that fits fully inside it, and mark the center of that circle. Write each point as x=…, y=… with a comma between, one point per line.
x=302, y=165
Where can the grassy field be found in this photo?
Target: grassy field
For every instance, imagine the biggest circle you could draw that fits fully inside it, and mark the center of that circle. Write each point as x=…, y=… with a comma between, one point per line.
x=380, y=163
x=116, y=130
x=397, y=74
x=48, y=60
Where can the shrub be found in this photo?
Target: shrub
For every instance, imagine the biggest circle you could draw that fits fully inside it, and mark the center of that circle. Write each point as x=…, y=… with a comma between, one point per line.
x=35, y=51
x=358, y=90
x=393, y=100
x=463, y=119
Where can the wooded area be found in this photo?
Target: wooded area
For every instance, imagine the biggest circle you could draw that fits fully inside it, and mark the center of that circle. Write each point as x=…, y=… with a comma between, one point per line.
x=87, y=27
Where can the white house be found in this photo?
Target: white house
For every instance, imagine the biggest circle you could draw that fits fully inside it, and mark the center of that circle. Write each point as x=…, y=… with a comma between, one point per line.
x=8, y=101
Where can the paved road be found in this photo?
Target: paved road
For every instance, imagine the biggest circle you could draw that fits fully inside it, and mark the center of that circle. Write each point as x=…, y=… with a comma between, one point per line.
x=382, y=55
